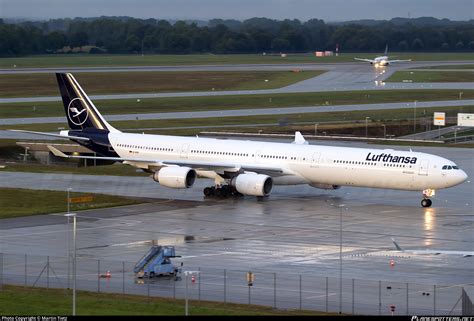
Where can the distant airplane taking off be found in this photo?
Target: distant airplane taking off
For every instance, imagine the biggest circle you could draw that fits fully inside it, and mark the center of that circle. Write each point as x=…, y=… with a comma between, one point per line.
x=248, y=167
x=381, y=60
x=434, y=252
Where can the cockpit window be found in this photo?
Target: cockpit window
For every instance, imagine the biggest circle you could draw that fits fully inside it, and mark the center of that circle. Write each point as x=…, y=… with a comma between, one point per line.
x=448, y=167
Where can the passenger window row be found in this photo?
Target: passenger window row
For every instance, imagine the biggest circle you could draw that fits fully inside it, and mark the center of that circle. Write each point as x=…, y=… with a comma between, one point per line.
x=163, y=149
x=209, y=152
x=275, y=156
x=353, y=162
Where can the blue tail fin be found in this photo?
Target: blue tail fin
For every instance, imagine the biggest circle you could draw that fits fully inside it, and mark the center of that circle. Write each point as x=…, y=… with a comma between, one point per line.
x=80, y=111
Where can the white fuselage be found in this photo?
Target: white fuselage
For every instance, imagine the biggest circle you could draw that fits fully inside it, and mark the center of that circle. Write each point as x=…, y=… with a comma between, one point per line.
x=381, y=61
x=303, y=164
x=437, y=252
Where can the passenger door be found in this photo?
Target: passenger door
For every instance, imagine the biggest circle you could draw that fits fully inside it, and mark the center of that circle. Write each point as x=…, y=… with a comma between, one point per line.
x=315, y=159
x=423, y=167
x=184, y=151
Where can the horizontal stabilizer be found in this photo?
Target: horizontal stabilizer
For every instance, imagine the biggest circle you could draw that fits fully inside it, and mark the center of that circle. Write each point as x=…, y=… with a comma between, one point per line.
x=56, y=152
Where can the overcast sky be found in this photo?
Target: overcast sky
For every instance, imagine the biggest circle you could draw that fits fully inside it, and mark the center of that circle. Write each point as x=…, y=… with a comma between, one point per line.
x=329, y=10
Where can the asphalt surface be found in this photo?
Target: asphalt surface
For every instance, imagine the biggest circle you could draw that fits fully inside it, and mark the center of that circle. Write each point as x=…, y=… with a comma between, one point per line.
x=293, y=232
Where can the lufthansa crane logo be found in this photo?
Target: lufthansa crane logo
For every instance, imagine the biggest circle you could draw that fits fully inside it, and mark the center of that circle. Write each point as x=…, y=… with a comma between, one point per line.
x=77, y=112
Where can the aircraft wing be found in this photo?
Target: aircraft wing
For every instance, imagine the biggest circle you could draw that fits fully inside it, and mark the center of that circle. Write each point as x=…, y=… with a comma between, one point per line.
x=203, y=165
x=49, y=134
x=433, y=252
x=367, y=60
x=230, y=167
x=462, y=253
x=398, y=60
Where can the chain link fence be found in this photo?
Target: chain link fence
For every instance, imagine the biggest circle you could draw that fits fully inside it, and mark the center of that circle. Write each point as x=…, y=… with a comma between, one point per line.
x=278, y=290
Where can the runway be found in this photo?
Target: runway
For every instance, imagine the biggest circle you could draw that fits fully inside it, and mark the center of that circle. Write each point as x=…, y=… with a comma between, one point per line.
x=294, y=232
x=235, y=67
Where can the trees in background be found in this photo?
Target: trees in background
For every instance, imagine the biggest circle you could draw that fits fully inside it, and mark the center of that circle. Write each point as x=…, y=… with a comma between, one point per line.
x=256, y=35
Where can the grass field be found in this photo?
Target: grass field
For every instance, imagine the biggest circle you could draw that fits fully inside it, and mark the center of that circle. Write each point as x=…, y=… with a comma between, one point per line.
x=18, y=300
x=178, y=104
x=207, y=59
x=45, y=84
x=460, y=134
x=16, y=202
x=153, y=126
x=432, y=76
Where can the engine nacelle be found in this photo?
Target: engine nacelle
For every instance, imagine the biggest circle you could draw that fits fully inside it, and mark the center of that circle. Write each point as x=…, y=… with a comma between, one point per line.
x=253, y=184
x=175, y=177
x=325, y=186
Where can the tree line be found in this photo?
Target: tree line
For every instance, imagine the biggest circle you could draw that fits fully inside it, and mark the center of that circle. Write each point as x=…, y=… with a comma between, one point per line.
x=256, y=35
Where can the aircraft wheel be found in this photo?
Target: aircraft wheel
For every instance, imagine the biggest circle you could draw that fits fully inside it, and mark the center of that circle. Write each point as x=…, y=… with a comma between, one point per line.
x=426, y=202
x=226, y=192
x=208, y=191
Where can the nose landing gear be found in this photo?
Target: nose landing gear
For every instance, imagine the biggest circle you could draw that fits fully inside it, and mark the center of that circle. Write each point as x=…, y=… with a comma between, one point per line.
x=427, y=193
x=426, y=202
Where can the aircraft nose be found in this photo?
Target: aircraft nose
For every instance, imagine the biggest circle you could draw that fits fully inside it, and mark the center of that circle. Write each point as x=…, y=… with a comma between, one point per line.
x=459, y=177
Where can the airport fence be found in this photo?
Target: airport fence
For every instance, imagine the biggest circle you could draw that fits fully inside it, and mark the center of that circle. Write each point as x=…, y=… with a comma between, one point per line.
x=278, y=290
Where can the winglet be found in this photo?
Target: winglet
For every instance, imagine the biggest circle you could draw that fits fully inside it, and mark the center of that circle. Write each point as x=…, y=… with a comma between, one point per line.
x=299, y=139
x=56, y=152
x=396, y=245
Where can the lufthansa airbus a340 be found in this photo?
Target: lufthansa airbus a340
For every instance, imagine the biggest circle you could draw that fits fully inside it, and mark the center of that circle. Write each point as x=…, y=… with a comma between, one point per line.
x=249, y=167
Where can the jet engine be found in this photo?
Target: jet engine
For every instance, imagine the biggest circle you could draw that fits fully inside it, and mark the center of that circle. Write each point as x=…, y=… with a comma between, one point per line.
x=252, y=184
x=175, y=177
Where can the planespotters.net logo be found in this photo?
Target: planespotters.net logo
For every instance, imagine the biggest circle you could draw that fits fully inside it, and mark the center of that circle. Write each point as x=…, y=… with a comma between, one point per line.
x=452, y=318
x=77, y=112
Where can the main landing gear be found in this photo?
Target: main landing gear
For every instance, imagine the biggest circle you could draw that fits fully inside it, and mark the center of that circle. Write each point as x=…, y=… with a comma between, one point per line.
x=222, y=191
x=427, y=193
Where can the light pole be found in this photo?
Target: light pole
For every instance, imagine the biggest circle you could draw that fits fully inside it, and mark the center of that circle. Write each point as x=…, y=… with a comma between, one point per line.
x=340, y=258
x=341, y=207
x=68, y=237
x=73, y=215
x=68, y=201
x=315, y=129
x=366, y=124
x=384, y=131
x=186, y=273
x=414, y=118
